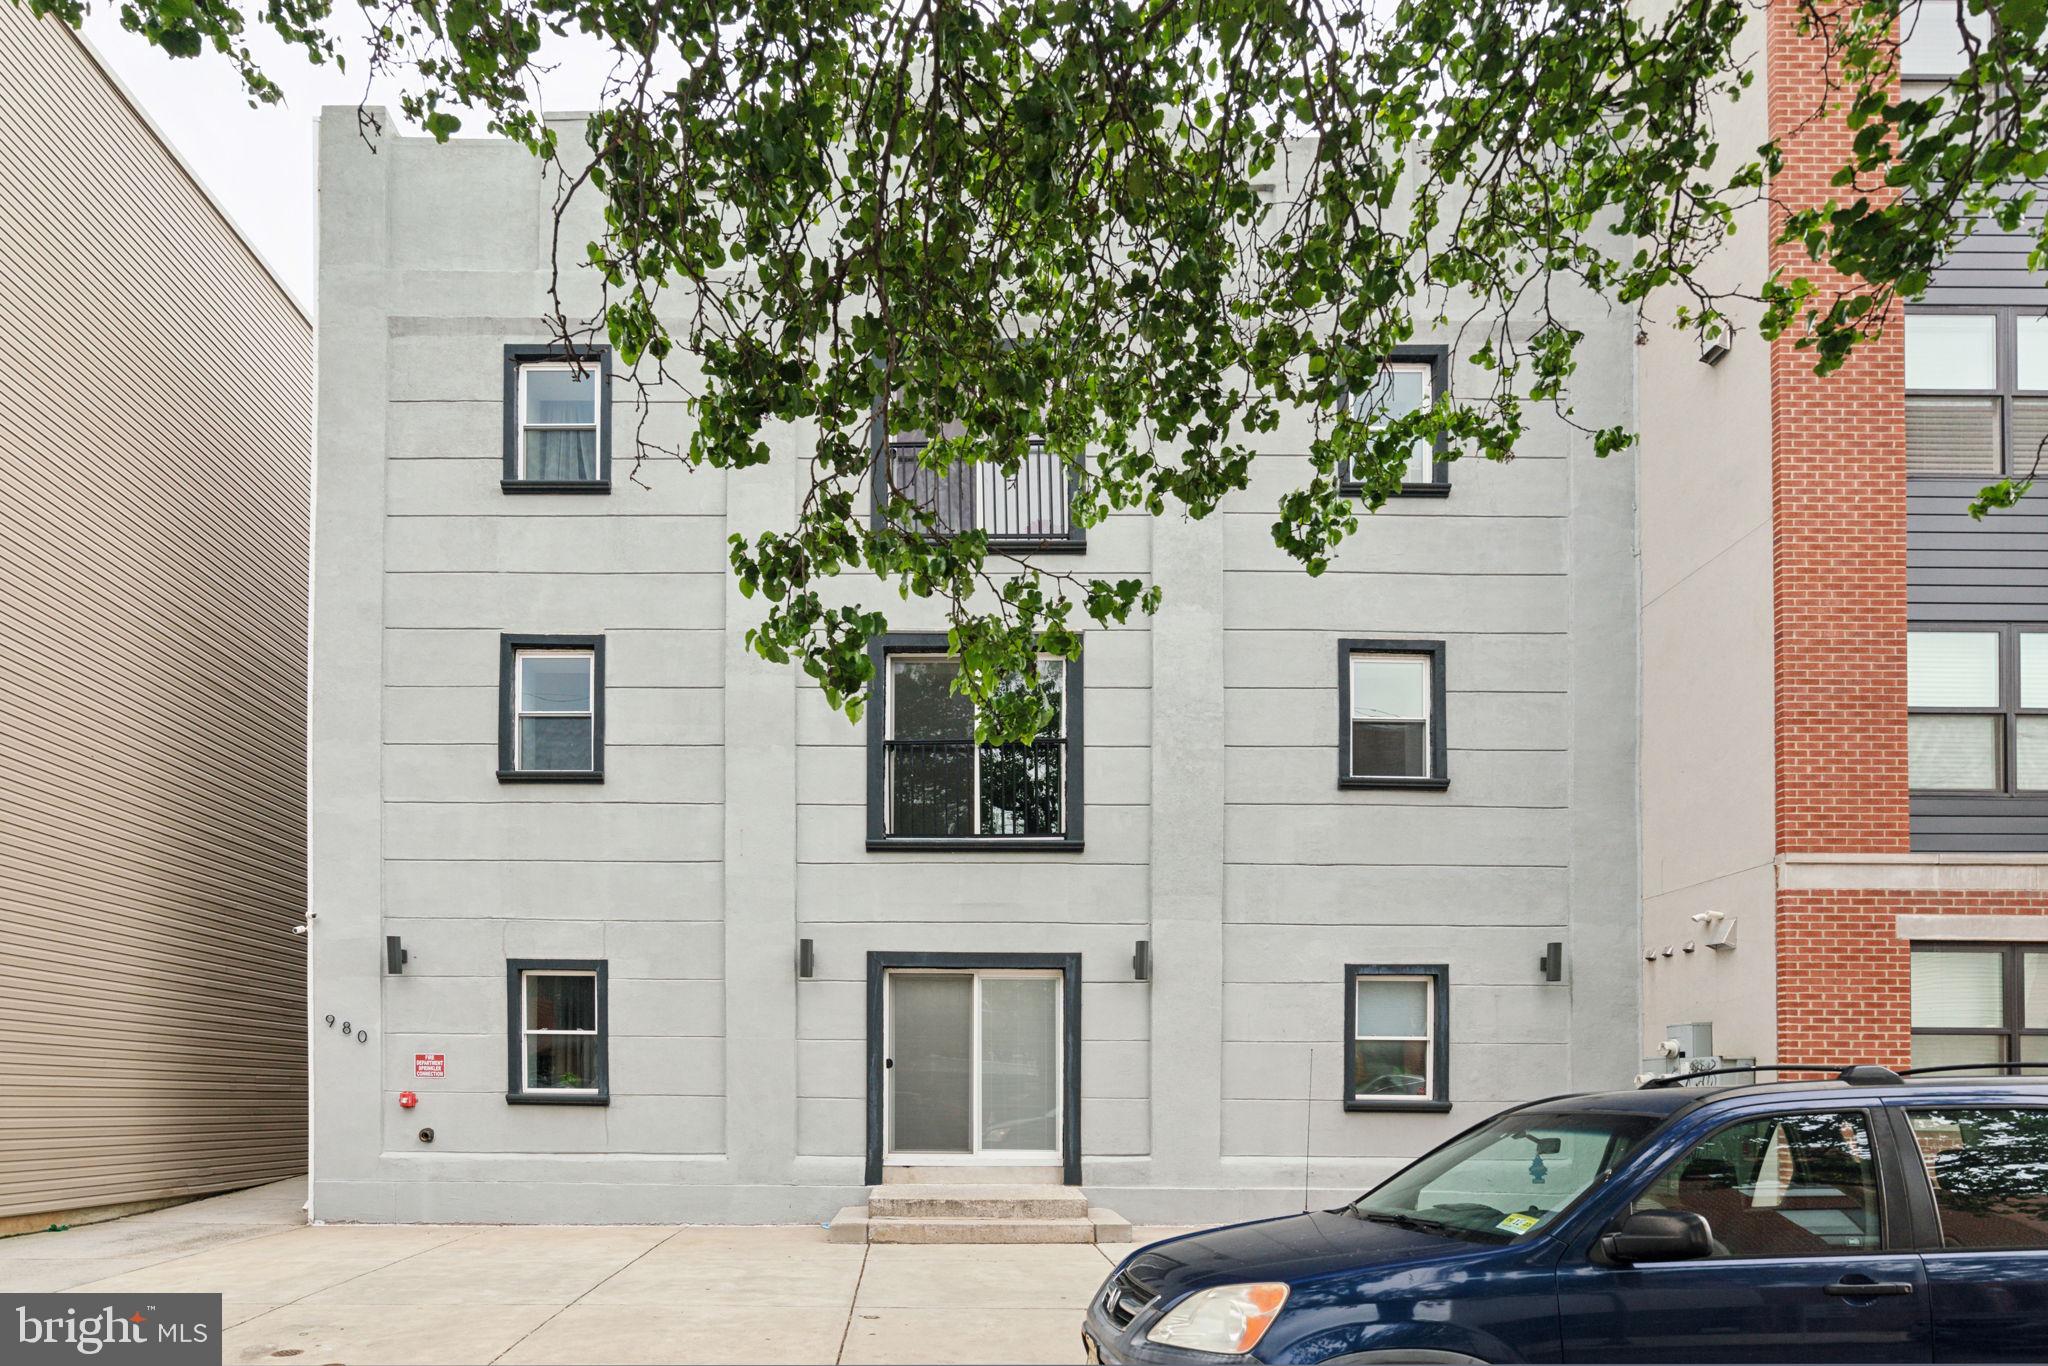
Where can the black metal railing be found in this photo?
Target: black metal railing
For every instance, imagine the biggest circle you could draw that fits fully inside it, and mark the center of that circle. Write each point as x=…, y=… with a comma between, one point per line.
x=1034, y=506
x=957, y=789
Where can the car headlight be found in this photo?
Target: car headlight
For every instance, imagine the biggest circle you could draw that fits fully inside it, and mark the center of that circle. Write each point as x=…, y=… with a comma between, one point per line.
x=1230, y=1318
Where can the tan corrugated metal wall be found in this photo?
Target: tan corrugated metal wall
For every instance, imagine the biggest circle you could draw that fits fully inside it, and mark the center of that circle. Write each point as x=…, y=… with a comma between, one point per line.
x=155, y=417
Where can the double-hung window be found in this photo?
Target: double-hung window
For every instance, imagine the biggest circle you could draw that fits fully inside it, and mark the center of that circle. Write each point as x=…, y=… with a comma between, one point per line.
x=932, y=784
x=1397, y=1036
x=1409, y=380
x=1980, y=1003
x=556, y=1027
x=1977, y=710
x=1976, y=391
x=1390, y=714
x=1031, y=509
x=551, y=708
x=557, y=420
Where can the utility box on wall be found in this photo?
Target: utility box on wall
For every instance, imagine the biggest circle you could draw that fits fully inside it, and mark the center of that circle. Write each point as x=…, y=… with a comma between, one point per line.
x=1694, y=1040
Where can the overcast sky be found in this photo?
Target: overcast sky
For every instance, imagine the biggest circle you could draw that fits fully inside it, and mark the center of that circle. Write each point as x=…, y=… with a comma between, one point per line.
x=258, y=163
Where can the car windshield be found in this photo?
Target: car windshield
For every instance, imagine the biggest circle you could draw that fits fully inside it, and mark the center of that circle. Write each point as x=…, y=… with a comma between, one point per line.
x=1507, y=1179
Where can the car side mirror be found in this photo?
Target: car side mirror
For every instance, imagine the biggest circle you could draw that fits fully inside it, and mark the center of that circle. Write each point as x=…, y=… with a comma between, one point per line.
x=1659, y=1235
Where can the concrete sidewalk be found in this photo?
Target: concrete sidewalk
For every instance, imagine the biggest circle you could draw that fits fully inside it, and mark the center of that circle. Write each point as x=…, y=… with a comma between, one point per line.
x=363, y=1294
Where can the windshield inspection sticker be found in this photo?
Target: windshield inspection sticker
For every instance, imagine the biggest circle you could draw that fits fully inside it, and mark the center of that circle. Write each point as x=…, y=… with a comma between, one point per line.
x=1519, y=1223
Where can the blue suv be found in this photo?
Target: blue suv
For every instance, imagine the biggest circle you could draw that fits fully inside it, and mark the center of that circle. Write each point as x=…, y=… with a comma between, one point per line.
x=1878, y=1216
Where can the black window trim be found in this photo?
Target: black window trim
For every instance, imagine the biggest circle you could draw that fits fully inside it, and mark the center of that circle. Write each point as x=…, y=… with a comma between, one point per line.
x=1439, y=1098
x=879, y=839
x=2007, y=713
x=2014, y=1029
x=1439, y=776
x=515, y=1033
x=521, y=354
x=2005, y=378
x=1438, y=357
x=882, y=961
x=1075, y=542
x=509, y=648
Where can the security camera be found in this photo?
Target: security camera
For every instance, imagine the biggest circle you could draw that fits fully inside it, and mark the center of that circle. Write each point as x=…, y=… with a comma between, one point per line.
x=1709, y=917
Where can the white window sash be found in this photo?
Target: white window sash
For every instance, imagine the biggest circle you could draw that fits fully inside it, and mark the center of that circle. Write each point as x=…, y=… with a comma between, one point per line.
x=520, y=712
x=1430, y=457
x=1427, y=1038
x=1427, y=719
x=526, y=1031
x=596, y=424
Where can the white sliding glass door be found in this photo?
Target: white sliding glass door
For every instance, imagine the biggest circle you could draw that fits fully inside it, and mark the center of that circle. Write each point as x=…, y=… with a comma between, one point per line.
x=973, y=1066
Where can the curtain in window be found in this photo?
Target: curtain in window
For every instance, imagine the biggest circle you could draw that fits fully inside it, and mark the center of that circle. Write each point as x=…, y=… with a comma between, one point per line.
x=561, y=454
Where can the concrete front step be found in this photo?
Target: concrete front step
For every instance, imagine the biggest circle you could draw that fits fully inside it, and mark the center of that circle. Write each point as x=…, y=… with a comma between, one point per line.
x=855, y=1225
x=1004, y=1175
x=977, y=1202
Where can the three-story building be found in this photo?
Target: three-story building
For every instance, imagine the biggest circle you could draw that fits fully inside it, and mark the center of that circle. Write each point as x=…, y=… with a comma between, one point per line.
x=1312, y=874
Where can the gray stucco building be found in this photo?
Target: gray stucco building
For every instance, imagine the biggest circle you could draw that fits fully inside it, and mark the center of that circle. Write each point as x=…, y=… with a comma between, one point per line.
x=601, y=1009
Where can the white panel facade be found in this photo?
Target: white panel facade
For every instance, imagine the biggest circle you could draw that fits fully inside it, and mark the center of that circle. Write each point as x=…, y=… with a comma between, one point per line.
x=731, y=823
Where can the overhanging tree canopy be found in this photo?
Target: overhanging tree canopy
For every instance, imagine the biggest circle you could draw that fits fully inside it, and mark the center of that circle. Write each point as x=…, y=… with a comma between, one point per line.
x=1136, y=231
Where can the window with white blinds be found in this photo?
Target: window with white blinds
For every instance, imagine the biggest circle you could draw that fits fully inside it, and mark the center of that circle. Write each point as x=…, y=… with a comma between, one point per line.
x=1977, y=710
x=1976, y=391
x=1979, y=1003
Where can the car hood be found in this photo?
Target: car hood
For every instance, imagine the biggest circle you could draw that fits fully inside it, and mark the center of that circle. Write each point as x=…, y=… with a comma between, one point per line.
x=1290, y=1249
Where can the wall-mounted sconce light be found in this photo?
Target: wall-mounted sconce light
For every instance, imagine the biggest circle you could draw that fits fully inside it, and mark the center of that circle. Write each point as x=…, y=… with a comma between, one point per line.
x=1141, y=961
x=1552, y=961
x=395, y=955
x=1714, y=352
x=806, y=959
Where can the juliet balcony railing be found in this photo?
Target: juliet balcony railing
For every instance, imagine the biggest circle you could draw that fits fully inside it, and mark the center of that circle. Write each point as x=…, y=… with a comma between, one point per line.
x=1029, y=510
x=958, y=789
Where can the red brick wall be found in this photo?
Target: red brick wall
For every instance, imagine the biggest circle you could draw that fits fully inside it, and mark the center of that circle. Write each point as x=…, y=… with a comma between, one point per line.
x=1838, y=497
x=1845, y=977
x=1838, y=488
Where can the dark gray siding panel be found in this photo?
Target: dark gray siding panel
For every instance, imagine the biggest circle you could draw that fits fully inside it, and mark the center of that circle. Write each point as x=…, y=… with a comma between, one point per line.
x=1994, y=571
x=1958, y=569
x=1980, y=825
x=1990, y=267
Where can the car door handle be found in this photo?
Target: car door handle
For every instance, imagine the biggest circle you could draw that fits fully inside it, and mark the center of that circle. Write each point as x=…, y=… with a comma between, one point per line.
x=1861, y=1290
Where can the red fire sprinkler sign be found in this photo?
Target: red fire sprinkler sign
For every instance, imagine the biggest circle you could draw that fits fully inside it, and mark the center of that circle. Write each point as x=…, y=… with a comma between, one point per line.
x=429, y=1065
